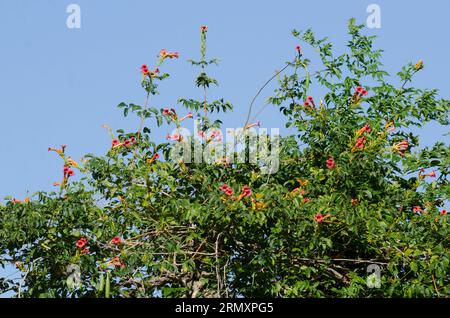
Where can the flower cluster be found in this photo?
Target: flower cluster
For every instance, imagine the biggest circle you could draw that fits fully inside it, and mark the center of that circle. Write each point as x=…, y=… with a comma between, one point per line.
x=417, y=209
x=257, y=124
x=358, y=94
x=153, y=158
x=116, y=240
x=309, y=103
x=298, y=191
x=401, y=147
x=164, y=54
x=360, y=143
x=15, y=201
x=226, y=189
x=419, y=65
x=170, y=112
x=441, y=214
x=389, y=126
x=258, y=205
x=68, y=172
x=72, y=163
x=422, y=175
x=361, y=91
x=145, y=71
x=330, y=163
x=58, y=151
x=175, y=137
x=173, y=114
x=319, y=218
x=189, y=115
x=68, y=164
x=115, y=261
x=216, y=135
x=81, y=243
x=126, y=143
x=245, y=192
x=365, y=129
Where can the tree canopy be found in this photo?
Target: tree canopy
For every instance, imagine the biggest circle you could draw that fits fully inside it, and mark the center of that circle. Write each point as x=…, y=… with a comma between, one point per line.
x=353, y=208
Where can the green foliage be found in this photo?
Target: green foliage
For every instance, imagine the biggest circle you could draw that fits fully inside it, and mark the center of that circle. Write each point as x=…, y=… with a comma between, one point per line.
x=346, y=195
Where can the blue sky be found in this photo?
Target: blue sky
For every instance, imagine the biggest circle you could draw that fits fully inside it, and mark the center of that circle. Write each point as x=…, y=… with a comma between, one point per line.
x=59, y=85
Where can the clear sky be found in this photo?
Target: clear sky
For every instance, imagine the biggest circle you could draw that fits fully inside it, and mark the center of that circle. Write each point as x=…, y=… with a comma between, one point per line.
x=59, y=85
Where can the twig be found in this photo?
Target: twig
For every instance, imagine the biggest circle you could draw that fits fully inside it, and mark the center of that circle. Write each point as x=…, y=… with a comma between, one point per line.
x=262, y=109
x=435, y=287
x=25, y=276
x=336, y=273
x=217, y=265
x=225, y=277
x=359, y=261
x=260, y=90
x=197, y=286
x=349, y=260
x=205, y=104
x=141, y=125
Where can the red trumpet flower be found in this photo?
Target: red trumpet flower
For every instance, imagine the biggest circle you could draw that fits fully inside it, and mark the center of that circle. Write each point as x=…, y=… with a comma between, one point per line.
x=116, y=240
x=319, y=218
x=81, y=243
x=330, y=163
